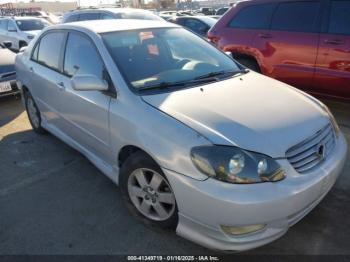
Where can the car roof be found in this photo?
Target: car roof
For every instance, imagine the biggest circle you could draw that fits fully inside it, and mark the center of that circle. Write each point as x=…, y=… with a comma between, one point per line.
x=108, y=9
x=112, y=25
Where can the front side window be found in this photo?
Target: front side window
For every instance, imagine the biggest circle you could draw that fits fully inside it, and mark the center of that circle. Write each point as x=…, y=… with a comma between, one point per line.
x=50, y=49
x=339, y=20
x=82, y=57
x=31, y=24
x=164, y=56
x=107, y=16
x=89, y=16
x=72, y=18
x=254, y=17
x=296, y=16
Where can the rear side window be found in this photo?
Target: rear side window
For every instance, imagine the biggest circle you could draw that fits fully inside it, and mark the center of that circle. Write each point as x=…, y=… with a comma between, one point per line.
x=82, y=57
x=3, y=25
x=89, y=16
x=255, y=17
x=296, y=16
x=72, y=18
x=339, y=20
x=49, y=49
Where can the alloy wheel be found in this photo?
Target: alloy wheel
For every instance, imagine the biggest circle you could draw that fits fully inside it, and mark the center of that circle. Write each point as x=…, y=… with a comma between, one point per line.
x=151, y=194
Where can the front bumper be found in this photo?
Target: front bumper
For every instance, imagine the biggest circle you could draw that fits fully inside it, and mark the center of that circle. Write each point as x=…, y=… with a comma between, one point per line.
x=15, y=90
x=205, y=205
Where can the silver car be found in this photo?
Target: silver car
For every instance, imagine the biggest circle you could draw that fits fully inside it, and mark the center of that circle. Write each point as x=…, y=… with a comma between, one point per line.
x=20, y=30
x=228, y=158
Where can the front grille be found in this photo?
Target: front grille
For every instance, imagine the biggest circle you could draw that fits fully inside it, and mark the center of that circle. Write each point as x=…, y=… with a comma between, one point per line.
x=311, y=152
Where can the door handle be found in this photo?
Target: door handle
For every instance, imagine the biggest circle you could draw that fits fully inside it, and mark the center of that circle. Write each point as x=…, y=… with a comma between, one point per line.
x=61, y=86
x=265, y=35
x=334, y=41
x=31, y=69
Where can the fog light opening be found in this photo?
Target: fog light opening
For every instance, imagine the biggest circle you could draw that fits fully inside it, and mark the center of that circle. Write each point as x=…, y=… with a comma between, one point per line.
x=242, y=230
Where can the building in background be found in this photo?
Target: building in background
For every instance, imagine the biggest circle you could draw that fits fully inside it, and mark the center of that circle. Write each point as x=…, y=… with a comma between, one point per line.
x=52, y=7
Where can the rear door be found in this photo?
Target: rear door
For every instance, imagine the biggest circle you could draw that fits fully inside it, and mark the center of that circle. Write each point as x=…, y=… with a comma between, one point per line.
x=332, y=76
x=45, y=77
x=290, y=48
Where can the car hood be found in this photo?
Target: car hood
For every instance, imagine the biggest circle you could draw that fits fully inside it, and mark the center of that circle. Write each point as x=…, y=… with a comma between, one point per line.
x=7, y=61
x=252, y=112
x=32, y=33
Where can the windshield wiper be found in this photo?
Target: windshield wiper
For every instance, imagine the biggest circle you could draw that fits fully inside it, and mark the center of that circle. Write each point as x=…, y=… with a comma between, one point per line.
x=164, y=85
x=223, y=72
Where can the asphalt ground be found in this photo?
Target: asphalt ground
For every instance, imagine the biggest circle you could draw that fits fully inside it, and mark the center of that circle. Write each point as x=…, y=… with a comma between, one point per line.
x=54, y=201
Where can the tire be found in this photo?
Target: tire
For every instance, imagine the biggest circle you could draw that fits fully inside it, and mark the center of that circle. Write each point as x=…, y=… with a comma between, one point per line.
x=33, y=113
x=22, y=44
x=147, y=211
x=250, y=63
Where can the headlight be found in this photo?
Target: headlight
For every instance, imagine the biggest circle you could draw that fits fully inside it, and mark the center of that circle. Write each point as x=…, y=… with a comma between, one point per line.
x=234, y=165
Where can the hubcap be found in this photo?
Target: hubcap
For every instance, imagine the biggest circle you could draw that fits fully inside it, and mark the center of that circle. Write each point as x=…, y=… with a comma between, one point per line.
x=33, y=112
x=151, y=194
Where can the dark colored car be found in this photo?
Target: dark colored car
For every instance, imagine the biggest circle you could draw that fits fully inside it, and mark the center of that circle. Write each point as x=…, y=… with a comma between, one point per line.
x=303, y=43
x=198, y=24
x=207, y=11
x=222, y=10
x=8, y=84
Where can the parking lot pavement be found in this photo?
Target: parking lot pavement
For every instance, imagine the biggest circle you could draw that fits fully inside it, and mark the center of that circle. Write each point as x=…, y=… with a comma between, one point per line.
x=54, y=201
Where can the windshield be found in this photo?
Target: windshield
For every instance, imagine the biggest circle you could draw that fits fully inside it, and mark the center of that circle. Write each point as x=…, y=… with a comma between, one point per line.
x=165, y=56
x=139, y=15
x=31, y=24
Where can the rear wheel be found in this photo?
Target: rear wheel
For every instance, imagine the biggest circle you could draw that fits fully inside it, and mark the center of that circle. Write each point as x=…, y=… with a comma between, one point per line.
x=33, y=113
x=147, y=193
x=250, y=63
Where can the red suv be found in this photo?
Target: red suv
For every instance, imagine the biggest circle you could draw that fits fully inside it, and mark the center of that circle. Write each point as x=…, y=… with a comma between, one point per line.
x=303, y=43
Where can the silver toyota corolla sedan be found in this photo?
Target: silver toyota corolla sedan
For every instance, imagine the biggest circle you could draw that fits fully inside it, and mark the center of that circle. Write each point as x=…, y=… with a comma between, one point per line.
x=228, y=158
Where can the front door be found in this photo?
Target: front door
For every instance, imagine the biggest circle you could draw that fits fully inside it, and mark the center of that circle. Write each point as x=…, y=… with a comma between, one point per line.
x=85, y=113
x=332, y=76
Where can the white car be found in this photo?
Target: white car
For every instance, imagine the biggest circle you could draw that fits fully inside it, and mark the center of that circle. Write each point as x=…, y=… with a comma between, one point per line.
x=20, y=30
x=228, y=158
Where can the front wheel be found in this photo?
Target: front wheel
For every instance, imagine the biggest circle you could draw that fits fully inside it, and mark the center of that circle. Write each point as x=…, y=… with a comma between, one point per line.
x=147, y=193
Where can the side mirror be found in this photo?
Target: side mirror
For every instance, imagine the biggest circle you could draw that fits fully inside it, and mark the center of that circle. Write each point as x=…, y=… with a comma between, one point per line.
x=7, y=44
x=22, y=49
x=88, y=83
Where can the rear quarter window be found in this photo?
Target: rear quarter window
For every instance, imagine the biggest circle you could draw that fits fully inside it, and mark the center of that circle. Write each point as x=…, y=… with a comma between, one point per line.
x=254, y=17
